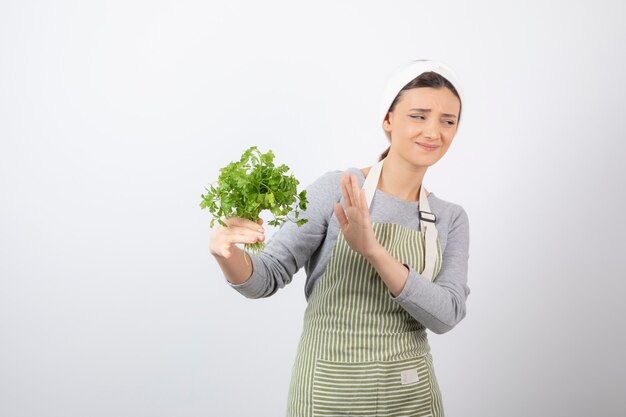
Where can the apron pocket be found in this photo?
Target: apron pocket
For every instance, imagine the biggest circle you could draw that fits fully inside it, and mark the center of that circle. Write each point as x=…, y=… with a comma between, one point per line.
x=371, y=388
x=404, y=388
x=345, y=388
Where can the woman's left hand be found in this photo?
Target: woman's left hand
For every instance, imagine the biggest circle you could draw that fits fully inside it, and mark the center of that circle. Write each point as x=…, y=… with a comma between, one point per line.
x=356, y=226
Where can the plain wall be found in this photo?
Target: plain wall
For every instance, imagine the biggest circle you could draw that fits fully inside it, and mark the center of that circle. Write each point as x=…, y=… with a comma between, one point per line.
x=114, y=116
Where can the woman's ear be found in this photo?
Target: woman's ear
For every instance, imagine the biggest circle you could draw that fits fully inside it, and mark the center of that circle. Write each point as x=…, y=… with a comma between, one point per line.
x=386, y=123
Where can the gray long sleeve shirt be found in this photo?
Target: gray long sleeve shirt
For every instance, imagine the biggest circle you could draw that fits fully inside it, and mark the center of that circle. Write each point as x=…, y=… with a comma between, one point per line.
x=438, y=305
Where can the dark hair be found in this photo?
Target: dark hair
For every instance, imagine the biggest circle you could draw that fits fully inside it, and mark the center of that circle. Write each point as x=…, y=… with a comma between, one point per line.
x=426, y=79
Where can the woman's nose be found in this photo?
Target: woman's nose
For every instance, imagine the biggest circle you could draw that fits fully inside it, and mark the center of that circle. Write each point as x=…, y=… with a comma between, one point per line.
x=432, y=132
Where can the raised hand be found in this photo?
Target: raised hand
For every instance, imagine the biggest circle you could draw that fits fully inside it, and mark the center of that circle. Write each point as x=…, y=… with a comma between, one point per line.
x=355, y=220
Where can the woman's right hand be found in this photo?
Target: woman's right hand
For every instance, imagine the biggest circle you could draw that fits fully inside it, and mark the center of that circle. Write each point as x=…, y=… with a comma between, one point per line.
x=239, y=230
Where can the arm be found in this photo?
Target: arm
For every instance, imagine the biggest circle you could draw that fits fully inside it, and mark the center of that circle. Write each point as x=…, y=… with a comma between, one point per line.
x=236, y=269
x=291, y=246
x=438, y=305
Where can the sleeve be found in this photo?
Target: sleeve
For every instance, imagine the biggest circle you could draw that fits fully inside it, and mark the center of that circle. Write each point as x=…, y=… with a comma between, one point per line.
x=290, y=247
x=440, y=304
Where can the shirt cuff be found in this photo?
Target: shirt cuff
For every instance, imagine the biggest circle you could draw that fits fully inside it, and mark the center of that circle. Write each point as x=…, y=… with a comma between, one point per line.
x=411, y=286
x=255, y=284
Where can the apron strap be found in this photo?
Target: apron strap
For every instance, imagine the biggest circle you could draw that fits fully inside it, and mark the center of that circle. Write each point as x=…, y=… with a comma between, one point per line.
x=426, y=217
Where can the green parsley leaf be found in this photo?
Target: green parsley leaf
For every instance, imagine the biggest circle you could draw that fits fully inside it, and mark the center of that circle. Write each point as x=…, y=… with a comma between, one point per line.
x=251, y=185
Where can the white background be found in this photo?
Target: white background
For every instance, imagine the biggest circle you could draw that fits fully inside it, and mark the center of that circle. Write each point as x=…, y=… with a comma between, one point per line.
x=114, y=115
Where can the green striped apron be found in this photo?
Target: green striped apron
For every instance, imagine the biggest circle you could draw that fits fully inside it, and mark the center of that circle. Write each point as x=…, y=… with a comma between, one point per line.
x=360, y=352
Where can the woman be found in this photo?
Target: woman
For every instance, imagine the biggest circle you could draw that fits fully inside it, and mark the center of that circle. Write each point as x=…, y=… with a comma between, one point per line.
x=380, y=271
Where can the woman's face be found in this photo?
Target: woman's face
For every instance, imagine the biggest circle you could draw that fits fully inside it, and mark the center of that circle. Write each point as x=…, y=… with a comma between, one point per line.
x=426, y=116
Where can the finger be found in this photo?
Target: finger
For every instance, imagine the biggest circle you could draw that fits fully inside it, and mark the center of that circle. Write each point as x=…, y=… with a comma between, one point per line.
x=341, y=216
x=346, y=184
x=364, y=207
x=344, y=189
x=355, y=191
x=241, y=222
x=249, y=231
x=245, y=231
x=234, y=221
x=242, y=238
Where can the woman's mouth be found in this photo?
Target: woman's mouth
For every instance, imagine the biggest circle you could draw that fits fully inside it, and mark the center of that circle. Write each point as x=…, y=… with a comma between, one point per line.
x=426, y=147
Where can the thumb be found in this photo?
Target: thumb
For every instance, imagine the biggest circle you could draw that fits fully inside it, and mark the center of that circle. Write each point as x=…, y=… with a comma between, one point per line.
x=341, y=216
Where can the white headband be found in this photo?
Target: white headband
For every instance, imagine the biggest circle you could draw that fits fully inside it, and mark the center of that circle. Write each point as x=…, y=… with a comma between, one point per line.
x=405, y=73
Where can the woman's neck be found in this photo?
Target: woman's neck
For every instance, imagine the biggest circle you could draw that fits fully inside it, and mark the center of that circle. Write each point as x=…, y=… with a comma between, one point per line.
x=400, y=179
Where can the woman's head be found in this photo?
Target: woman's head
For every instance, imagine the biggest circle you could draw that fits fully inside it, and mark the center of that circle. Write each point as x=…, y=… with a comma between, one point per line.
x=426, y=110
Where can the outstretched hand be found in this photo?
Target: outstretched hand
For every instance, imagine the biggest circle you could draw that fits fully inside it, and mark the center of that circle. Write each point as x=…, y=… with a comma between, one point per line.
x=356, y=225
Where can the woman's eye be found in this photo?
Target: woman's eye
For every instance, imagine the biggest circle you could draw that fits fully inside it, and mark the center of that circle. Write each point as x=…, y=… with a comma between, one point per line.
x=420, y=117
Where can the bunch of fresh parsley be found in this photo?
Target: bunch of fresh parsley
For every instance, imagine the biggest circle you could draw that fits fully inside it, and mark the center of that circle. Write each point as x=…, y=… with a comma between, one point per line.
x=251, y=185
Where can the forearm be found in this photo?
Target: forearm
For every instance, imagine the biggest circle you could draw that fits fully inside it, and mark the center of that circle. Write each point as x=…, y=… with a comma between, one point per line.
x=439, y=306
x=238, y=268
x=392, y=271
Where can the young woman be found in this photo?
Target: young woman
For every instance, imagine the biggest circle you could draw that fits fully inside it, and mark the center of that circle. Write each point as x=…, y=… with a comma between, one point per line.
x=385, y=260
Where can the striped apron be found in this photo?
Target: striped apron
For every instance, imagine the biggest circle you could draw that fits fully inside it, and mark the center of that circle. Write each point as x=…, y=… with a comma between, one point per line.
x=360, y=352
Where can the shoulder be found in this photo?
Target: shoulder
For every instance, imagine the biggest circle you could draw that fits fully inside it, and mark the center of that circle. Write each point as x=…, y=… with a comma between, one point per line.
x=444, y=205
x=327, y=186
x=331, y=180
x=450, y=215
x=328, y=181
x=325, y=190
x=447, y=208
